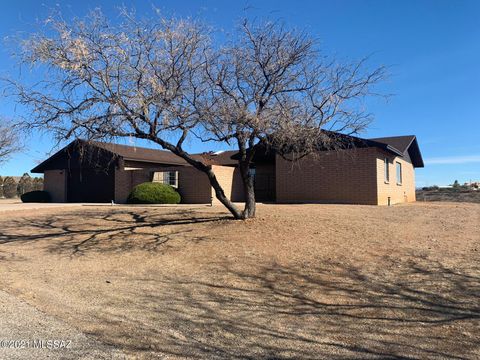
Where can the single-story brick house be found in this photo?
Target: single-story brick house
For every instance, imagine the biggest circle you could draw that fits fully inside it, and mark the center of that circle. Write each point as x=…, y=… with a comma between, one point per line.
x=369, y=171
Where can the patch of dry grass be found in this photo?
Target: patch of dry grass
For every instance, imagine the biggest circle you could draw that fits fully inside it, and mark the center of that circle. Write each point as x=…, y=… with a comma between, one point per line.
x=301, y=281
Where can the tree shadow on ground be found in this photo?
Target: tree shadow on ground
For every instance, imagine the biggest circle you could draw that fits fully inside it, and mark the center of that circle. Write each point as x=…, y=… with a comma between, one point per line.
x=405, y=307
x=111, y=231
x=416, y=309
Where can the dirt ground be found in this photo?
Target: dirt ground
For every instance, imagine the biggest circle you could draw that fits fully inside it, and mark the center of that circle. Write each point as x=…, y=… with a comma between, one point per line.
x=300, y=281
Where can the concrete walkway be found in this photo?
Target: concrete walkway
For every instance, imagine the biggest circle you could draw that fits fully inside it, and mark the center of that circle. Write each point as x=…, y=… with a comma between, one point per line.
x=27, y=333
x=19, y=206
x=34, y=206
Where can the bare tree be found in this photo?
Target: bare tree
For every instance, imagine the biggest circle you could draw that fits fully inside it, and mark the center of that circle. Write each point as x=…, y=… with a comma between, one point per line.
x=272, y=89
x=9, y=140
x=25, y=184
x=161, y=79
x=9, y=187
x=37, y=184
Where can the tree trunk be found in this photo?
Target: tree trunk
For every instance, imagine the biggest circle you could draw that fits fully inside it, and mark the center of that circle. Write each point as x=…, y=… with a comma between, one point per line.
x=250, y=203
x=249, y=189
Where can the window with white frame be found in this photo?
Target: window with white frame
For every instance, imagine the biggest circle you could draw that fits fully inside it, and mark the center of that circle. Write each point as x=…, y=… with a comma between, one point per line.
x=399, y=173
x=387, y=170
x=166, y=177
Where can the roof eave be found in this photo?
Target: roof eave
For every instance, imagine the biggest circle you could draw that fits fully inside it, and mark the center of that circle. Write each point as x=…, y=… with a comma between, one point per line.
x=418, y=163
x=39, y=169
x=156, y=162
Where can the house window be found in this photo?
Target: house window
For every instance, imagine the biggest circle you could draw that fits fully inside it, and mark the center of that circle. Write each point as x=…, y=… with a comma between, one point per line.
x=387, y=170
x=166, y=177
x=399, y=173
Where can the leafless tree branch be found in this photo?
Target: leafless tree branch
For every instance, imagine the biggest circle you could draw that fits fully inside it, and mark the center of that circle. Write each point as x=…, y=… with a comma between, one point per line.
x=9, y=140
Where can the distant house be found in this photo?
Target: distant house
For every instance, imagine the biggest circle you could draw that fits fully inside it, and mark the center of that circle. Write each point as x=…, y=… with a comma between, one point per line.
x=474, y=185
x=365, y=171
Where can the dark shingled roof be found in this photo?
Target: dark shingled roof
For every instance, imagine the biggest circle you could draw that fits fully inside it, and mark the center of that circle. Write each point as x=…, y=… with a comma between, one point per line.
x=141, y=154
x=135, y=153
x=163, y=156
x=404, y=144
x=399, y=142
x=218, y=158
x=397, y=145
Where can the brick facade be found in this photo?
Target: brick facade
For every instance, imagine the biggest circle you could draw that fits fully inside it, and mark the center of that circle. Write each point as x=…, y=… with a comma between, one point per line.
x=345, y=176
x=225, y=177
x=348, y=176
x=398, y=193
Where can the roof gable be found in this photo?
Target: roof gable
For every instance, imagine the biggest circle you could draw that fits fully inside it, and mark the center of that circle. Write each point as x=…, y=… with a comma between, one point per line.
x=404, y=144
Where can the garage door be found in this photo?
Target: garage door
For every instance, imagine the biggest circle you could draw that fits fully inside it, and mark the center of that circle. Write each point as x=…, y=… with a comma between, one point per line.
x=90, y=185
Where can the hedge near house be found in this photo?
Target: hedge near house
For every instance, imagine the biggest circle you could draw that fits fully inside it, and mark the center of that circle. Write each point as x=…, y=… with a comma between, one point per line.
x=36, y=196
x=153, y=193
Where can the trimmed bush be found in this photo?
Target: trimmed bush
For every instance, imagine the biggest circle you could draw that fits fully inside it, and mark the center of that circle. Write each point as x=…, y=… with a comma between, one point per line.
x=36, y=196
x=153, y=193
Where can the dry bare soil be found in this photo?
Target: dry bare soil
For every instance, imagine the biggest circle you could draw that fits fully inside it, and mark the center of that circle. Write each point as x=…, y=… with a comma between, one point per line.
x=300, y=281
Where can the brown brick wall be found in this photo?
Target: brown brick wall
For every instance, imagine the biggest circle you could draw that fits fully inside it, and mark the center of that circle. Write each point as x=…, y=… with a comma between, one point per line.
x=225, y=176
x=398, y=193
x=193, y=186
x=346, y=176
x=54, y=182
x=351, y=176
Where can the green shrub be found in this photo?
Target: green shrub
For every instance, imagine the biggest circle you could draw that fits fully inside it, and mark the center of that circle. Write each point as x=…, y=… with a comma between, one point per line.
x=36, y=196
x=153, y=193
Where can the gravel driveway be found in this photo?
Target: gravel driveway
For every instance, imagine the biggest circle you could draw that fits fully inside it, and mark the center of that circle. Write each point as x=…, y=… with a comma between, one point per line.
x=27, y=333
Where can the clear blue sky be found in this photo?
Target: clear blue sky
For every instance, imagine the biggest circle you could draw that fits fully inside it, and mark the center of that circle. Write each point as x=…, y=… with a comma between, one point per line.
x=432, y=47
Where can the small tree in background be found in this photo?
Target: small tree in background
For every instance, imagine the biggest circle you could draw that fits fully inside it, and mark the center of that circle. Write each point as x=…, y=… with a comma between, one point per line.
x=25, y=184
x=37, y=183
x=165, y=80
x=456, y=184
x=9, y=187
x=1, y=187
